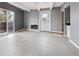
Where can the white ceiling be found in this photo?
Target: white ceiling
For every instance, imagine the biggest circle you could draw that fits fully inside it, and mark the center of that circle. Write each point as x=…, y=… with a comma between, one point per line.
x=27, y=6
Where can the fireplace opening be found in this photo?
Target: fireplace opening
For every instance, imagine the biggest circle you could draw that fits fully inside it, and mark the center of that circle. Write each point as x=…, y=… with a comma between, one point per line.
x=34, y=26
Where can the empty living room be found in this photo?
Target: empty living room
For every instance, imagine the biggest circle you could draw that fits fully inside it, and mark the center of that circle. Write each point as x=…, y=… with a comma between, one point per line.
x=39, y=29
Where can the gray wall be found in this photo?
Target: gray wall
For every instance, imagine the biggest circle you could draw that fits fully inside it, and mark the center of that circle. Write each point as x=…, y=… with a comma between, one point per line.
x=74, y=20
x=19, y=14
x=56, y=20
x=31, y=18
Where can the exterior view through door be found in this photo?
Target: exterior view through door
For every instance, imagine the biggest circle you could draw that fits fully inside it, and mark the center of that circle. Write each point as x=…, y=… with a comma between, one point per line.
x=7, y=22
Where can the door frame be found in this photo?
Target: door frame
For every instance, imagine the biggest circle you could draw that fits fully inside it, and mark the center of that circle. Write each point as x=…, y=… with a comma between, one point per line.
x=62, y=21
x=40, y=20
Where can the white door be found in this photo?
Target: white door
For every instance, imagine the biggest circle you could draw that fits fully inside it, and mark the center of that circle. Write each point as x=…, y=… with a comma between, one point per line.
x=10, y=21
x=45, y=21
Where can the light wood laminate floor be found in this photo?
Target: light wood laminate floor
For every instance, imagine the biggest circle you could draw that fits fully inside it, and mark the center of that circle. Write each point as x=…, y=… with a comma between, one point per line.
x=36, y=44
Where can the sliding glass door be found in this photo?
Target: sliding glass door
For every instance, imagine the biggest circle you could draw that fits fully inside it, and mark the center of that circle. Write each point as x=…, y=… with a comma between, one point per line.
x=10, y=21
x=3, y=26
x=7, y=22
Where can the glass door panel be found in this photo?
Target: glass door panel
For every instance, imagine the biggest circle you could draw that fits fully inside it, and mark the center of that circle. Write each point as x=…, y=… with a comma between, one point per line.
x=10, y=22
x=45, y=20
x=3, y=26
x=7, y=22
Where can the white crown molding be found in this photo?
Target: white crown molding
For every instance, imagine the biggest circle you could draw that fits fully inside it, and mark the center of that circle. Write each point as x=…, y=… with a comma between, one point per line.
x=35, y=5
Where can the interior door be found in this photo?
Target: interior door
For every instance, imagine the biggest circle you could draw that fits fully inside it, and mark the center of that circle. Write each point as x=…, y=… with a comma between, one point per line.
x=45, y=20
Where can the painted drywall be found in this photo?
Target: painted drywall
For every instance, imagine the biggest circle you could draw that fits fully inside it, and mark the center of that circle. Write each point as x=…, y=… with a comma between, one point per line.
x=26, y=18
x=19, y=14
x=56, y=20
x=31, y=18
x=75, y=22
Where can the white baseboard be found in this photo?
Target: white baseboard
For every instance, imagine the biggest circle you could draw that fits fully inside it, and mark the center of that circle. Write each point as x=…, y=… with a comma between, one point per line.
x=65, y=36
x=21, y=30
x=74, y=44
x=57, y=31
x=34, y=30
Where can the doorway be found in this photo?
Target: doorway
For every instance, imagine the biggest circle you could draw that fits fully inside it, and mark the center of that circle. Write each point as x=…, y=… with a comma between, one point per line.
x=7, y=22
x=67, y=21
x=45, y=21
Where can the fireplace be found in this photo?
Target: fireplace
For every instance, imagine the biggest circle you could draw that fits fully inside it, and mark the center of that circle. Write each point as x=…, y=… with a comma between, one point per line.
x=34, y=26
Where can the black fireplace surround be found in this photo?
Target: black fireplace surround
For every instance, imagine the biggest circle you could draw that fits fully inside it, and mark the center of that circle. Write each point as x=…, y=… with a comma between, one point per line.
x=34, y=26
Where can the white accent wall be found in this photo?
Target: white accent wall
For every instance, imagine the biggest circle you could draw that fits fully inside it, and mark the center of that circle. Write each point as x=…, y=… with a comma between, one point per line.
x=74, y=21
x=32, y=17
